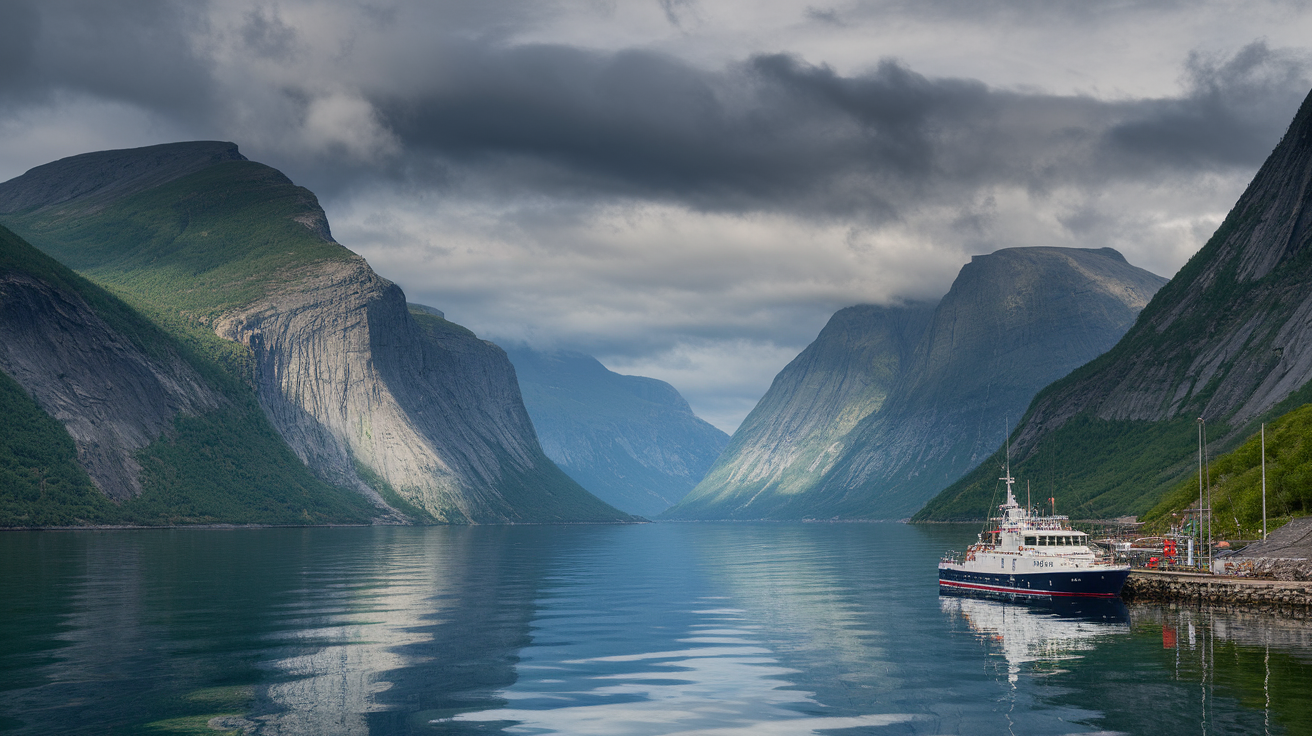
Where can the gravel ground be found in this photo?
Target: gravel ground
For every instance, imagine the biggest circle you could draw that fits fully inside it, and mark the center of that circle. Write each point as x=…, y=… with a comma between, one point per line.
x=1291, y=541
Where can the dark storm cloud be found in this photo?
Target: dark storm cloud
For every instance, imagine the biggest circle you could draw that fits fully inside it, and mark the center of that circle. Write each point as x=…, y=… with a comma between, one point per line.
x=134, y=52
x=464, y=105
x=777, y=133
x=1234, y=112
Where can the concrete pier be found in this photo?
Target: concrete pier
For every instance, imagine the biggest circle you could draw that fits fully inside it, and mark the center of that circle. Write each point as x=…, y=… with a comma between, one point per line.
x=1289, y=597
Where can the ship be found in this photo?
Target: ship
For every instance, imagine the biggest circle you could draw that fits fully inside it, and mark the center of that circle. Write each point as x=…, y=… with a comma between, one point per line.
x=1023, y=555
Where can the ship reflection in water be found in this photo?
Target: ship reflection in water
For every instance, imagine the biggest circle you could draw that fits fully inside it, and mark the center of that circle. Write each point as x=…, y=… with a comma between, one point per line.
x=1040, y=633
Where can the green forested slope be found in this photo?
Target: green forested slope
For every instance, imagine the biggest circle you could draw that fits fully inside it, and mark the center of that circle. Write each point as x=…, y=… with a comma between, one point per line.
x=1236, y=481
x=1227, y=340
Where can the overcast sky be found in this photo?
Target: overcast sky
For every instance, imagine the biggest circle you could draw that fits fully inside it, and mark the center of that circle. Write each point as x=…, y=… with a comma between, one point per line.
x=686, y=189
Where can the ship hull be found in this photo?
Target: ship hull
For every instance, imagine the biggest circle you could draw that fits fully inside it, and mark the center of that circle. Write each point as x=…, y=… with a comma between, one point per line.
x=1049, y=585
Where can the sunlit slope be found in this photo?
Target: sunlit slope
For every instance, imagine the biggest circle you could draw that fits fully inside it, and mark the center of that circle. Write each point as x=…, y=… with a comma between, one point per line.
x=230, y=256
x=1229, y=339
x=796, y=433
x=1013, y=321
x=109, y=419
x=632, y=441
x=1235, y=489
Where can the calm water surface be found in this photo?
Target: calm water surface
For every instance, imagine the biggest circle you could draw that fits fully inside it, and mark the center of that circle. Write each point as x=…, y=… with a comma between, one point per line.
x=771, y=629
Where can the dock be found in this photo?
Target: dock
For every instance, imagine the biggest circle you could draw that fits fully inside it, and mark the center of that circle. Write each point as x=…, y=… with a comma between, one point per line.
x=1289, y=597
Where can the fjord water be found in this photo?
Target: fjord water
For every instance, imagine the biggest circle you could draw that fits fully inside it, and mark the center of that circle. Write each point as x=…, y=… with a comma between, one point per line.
x=781, y=629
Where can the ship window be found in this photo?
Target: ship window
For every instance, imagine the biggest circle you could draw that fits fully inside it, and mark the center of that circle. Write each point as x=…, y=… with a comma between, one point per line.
x=1030, y=541
x=1045, y=541
x=1066, y=540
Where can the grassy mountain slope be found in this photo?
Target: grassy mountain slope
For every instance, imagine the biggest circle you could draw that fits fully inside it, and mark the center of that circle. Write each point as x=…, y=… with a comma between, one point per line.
x=1229, y=339
x=237, y=264
x=223, y=465
x=1236, y=478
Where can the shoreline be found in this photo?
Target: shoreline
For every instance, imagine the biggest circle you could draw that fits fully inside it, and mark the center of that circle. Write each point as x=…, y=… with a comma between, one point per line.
x=1254, y=595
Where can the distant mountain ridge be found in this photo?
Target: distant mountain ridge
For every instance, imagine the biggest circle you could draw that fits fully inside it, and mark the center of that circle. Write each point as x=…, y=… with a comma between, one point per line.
x=1012, y=322
x=230, y=256
x=632, y=441
x=1229, y=339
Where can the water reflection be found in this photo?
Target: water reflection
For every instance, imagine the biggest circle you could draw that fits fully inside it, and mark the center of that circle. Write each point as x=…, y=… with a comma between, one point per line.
x=657, y=629
x=723, y=682
x=1042, y=633
x=677, y=630
x=1231, y=658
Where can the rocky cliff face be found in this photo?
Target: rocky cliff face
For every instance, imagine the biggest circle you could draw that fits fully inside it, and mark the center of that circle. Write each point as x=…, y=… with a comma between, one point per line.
x=360, y=389
x=112, y=396
x=109, y=419
x=803, y=424
x=1012, y=322
x=348, y=376
x=1229, y=339
x=632, y=441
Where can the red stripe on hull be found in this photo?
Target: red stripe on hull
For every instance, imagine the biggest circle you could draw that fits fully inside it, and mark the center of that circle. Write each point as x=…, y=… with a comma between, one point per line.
x=1023, y=591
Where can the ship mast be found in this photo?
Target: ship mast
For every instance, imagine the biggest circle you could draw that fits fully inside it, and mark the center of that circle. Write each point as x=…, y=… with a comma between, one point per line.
x=1011, y=497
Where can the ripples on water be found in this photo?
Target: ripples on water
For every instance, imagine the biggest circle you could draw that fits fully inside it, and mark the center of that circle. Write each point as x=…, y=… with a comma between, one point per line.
x=772, y=629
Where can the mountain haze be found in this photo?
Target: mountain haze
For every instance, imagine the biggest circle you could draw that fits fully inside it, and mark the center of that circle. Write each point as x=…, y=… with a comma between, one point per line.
x=632, y=441
x=1229, y=340
x=1012, y=322
x=232, y=258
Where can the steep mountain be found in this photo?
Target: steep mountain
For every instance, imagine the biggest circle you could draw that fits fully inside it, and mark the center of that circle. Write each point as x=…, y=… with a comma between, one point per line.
x=1012, y=322
x=237, y=262
x=632, y=441
x=107, y=419
x=1229, y=340
x=1235, y=491
x=800, y=428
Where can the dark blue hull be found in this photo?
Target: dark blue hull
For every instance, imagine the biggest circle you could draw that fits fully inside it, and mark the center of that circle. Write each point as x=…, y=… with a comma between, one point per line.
x=1039, y=585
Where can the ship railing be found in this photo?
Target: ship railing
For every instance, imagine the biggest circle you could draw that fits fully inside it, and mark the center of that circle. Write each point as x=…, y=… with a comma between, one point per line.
x=951, y=556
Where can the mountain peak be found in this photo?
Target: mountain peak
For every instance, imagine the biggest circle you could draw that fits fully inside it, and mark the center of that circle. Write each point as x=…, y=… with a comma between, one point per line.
x=1272, y=221
x=95, y=179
